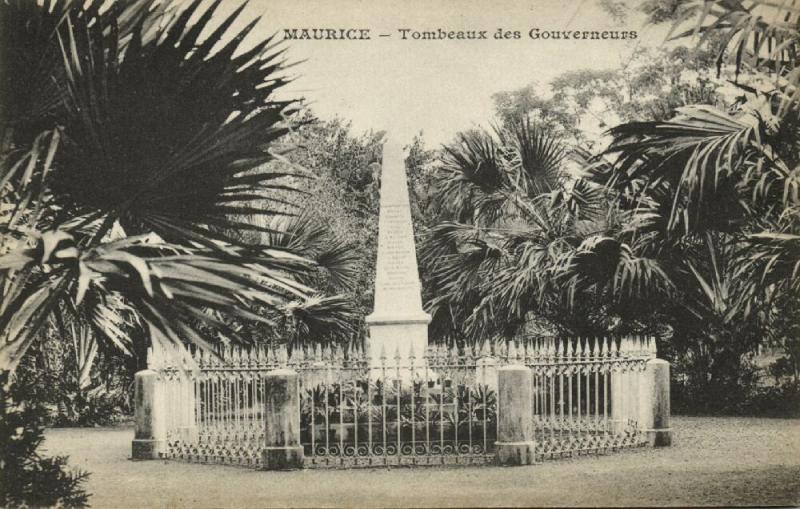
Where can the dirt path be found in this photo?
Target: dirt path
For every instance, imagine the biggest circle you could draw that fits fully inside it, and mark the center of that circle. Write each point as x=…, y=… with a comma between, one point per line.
x=714, y=462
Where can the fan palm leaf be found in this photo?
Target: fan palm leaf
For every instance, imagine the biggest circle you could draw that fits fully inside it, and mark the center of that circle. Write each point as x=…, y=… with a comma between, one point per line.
x=130, y=208
x=471, y=177
x=535, y=158
x=304, y=235
x=201, y=159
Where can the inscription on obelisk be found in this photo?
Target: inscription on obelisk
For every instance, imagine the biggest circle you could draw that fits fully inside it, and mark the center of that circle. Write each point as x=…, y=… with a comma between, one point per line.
x=398, y=321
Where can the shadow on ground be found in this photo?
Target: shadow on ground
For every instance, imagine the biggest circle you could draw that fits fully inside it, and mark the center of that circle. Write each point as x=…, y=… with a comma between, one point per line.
x=714, y=462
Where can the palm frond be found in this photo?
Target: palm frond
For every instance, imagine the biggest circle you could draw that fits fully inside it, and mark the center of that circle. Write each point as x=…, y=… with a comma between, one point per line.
x=201, y=159
x=695, y=155
x=30, y=99
x=771, y=257
x=754, y=33
x=319, y=319
x=601, y=262
x=536, y=158
x=471, y=178
x=306, y=236
x=169, y=286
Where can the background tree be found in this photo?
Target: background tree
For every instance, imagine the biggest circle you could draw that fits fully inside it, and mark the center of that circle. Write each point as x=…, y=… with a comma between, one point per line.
x=684, y=226
x=518, y=248
x=713, y=190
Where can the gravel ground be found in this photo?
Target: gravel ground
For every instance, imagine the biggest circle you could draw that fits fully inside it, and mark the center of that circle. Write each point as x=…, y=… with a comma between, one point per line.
x=713, y=462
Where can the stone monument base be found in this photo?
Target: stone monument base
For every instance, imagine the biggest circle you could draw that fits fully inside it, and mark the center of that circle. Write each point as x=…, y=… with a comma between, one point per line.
x=147, y=449
x=392, y=342
x=515, y=453
x=659, y=437
x=282, y=458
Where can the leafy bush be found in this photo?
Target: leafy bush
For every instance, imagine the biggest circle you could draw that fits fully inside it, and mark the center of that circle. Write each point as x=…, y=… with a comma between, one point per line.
x=98, y=397
x=746, y=389
x=28, y=478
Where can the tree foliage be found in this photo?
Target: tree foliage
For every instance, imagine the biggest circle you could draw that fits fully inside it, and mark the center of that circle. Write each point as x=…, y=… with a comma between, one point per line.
x=28, y=478
x=132, y=216
x=685, y=225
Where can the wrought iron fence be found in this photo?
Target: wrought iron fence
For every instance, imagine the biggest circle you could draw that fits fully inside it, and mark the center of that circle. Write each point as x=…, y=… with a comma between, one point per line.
x=433, y=407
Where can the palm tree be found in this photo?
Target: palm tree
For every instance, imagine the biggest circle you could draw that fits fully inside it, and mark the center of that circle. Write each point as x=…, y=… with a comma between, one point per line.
x=520, y=238
x=712, y=193
x=134, y=152
x=731, y=173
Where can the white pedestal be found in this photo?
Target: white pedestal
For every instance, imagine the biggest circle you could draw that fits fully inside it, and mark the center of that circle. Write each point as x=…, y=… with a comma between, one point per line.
x=396, y=340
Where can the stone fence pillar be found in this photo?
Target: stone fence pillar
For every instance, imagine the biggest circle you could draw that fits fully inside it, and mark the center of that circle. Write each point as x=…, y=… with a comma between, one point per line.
x=282, y=450
x=515, y=444
x=150, y=413
x=654, y=403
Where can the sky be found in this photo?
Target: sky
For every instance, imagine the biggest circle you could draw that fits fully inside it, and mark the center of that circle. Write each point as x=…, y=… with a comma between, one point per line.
x=437, y=87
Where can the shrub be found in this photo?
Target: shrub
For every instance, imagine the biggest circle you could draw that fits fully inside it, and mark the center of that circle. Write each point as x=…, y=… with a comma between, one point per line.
x=26, y=477
x=53, y=379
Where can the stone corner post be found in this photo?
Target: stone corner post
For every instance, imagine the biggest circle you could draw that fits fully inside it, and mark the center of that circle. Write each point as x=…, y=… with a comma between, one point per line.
x=282, y=450
x=514, y=444
x=654, y=403
x=150, y=439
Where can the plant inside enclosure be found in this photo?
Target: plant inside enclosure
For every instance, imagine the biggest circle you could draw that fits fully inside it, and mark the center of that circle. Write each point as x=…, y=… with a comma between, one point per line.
x=418, y=411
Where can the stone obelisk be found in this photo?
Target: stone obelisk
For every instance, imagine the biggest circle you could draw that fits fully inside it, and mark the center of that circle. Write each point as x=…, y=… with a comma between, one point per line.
x=398, y=321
